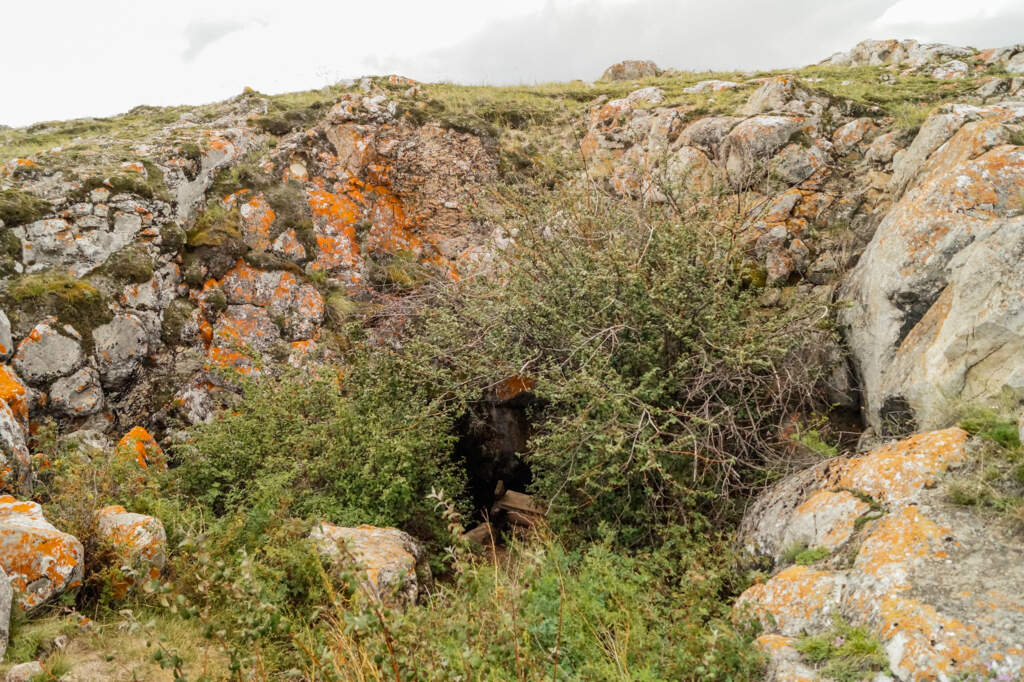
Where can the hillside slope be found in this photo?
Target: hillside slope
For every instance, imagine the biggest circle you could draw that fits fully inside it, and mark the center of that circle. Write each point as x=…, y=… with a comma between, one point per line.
x=234, y=334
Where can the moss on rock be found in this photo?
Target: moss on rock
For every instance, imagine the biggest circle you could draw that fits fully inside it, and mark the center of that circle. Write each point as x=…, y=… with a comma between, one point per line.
x=176, y=317
x=133, y=263
x=18, y=208
x=72, y=301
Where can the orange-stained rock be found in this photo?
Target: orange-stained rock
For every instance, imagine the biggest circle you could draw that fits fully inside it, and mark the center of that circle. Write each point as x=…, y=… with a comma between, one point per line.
x=784, y=661
x=826, y=520
x=139, y=541
x=937, y=583
x=933, y=316
x=15, y=461
x=41, y=561
x=13, y=392
x=797, y=600
x=395, y=564
x=896, y=472
x=139, y=444
x=281, y=293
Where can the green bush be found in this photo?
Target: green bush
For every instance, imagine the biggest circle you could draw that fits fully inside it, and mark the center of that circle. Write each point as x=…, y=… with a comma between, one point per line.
x=366, y=448
x=660, y=383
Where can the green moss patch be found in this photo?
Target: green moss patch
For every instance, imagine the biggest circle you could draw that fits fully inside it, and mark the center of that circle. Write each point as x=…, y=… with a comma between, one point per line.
x=176, y=317
x=133, y=263
x=71, y=300
x=18, y=208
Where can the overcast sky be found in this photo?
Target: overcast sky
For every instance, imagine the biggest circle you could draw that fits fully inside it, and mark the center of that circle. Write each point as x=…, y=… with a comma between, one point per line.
x=67, y=58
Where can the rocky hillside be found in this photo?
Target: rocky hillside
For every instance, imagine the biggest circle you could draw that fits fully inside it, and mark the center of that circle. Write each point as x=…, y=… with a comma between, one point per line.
x=356, y=294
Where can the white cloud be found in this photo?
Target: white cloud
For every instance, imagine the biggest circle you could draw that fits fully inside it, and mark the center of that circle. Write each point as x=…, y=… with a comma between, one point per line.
x=944, y=11
x=66, y=58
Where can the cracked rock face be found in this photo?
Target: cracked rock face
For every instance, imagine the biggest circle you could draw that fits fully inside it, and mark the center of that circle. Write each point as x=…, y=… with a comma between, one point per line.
x=936, y=314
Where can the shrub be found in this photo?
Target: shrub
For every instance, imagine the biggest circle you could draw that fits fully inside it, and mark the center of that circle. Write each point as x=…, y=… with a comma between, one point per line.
x=660, y=384
x=363, y=449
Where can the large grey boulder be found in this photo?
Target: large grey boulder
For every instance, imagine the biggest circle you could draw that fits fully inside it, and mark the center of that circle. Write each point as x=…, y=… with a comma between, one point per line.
x=936, y=583
x=48, y=353
x=121, y=346
x=936, y=315
x=749, y=145
x=78, y=395
x=41, y=561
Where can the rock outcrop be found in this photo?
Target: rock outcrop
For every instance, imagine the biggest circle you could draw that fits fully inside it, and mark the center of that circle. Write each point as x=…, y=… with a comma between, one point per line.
x=41, y=561
x=396, y=565
x=936, y=316
x=631, y=70
x=138, y=540
x=936, y=583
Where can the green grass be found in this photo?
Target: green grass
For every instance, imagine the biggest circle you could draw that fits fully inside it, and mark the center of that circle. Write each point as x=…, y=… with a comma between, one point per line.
x=845, y=653
x=993, y=479
x=73, y=301
x=803, y=555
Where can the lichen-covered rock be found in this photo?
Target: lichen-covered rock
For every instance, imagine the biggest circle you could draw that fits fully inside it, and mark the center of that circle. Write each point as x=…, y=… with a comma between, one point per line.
x=935, y=314
x=140, y=445
x=121, y=345
x=47, y=354
x=631, y=70
x=6, y=340
x=396, y=565
x=78, y=395
x=138, y=540
x=15, y=462
x=908, y=53
x=936, y=583
x=25, y=672
x=749, y=145
x=41, y=561
x=711, y=86
x=299, y=306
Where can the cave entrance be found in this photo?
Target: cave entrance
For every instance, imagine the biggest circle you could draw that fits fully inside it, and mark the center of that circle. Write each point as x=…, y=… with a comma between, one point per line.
x=492, y=439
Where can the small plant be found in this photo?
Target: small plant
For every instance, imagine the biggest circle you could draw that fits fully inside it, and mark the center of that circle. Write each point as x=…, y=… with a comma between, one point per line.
x=800, y=553
x=845, y=653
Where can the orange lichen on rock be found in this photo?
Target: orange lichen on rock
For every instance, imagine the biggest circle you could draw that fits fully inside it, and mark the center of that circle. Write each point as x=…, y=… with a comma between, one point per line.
x=138, y=540
x=12, y=392
x=257, y=218
x=138, y=443
x=897, y=471
x=796, y=599
x=898, y=540
x=513, y=386
x=924, y=643
x=394, y=562
x=826, y=519
x=41, y=561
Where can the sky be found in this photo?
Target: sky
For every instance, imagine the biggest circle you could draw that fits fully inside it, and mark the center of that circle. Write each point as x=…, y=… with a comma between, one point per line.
x=67, y=59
